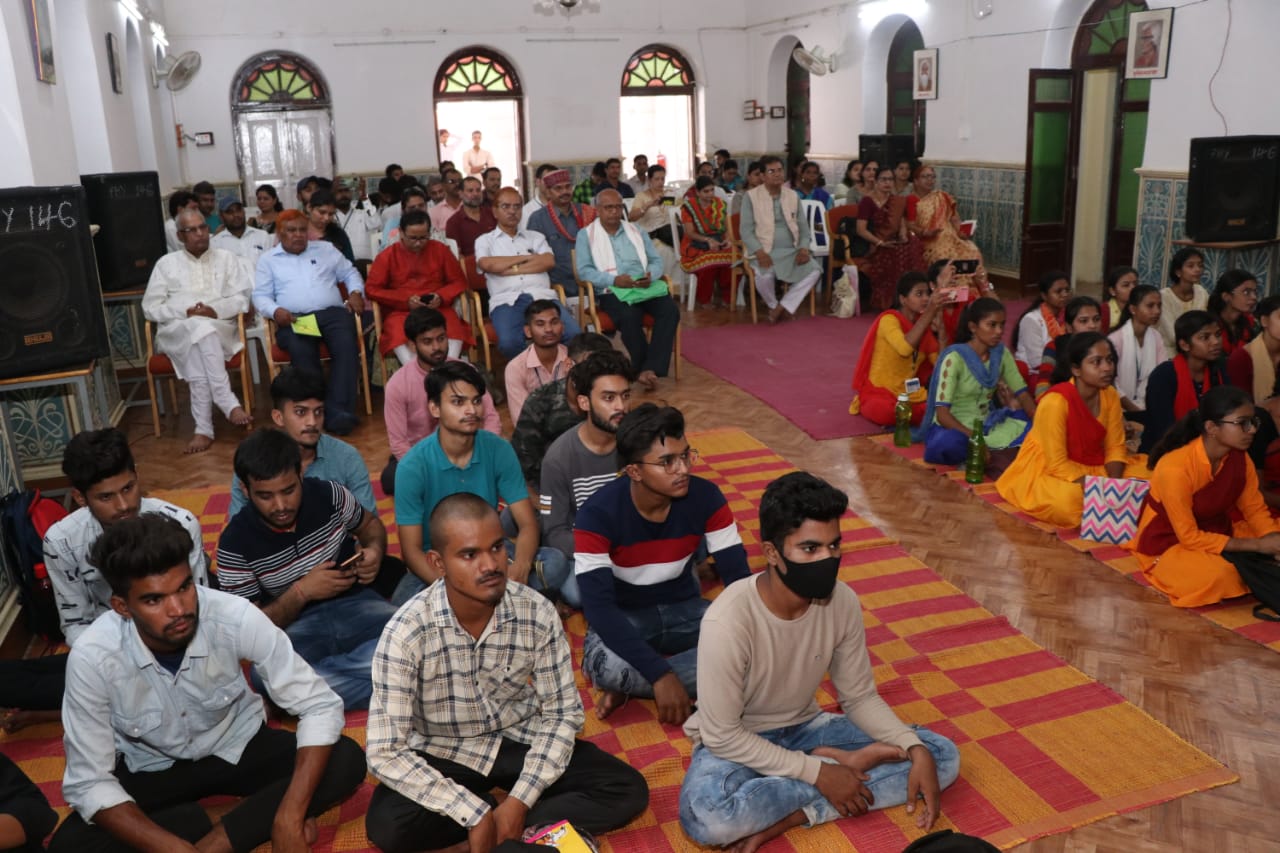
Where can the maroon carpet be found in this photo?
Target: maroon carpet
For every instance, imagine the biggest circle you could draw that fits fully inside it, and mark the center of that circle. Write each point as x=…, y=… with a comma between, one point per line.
x=803, y=368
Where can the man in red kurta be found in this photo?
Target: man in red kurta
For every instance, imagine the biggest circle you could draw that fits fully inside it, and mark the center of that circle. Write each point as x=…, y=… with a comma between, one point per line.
x=416, y=272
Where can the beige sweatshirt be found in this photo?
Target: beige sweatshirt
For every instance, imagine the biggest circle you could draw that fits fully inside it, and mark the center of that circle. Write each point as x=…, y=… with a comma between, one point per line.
x=757, y=672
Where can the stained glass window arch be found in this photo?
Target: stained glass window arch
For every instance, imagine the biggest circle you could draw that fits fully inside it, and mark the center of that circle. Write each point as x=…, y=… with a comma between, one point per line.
x=279, y=80
x=656, y=69
x=1102, y=39
x=477, y=72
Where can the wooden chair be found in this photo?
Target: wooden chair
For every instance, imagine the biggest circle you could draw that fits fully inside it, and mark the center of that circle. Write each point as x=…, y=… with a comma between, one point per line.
x=835, y=237
x=740, y=250
x=278, y=357
x=482, y=328
x=160, y=366
x=601, y=322
x=377, y=336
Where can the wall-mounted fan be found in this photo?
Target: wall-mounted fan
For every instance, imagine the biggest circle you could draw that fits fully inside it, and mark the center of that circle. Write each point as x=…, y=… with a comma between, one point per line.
x=815, y=61
x=176, y=72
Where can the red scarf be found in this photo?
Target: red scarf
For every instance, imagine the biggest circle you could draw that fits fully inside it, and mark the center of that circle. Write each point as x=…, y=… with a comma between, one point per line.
x=1051, y=322
x=1086, y=435
x=1187, y=397
x=583, y=214
x=928, y=344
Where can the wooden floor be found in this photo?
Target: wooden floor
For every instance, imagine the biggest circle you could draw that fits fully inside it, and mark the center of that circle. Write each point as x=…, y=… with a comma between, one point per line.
x=1215, y=689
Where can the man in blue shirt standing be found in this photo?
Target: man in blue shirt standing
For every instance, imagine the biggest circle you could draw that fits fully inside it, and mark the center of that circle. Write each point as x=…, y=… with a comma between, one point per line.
x=624, y=269
x=300, y=277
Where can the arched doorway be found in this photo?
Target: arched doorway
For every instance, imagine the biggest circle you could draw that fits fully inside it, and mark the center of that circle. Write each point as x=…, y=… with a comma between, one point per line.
x=904, y=116
x=655, y=109
x=797, y=112
x=478, y=91
x=283, y=123
x=1087, y=129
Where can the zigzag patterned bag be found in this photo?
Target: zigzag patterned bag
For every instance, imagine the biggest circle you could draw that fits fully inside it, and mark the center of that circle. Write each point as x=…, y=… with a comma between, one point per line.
x=1111, y=509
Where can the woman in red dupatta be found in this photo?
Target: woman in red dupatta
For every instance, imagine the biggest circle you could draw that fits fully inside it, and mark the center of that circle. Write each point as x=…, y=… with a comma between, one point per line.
x=1078, y=431
x=705, y=248
x=900, y=345
x=895, y=251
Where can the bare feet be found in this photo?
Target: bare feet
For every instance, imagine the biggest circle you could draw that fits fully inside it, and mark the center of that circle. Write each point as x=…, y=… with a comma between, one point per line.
x=239, y=417
x=752, y=843
x=777, y=314
x=17, y=719
x=199, y=444
x=648, y=380
x=608, y=702
x=310, y=831
x=863, y=759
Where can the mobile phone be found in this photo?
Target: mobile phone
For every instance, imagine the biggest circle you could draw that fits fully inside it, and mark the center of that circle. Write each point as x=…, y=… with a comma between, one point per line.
x=965, y=267
x=350, y=560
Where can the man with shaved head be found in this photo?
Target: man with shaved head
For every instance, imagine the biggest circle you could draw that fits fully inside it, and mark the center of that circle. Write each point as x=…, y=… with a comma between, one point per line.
x=515, y=263
x=194, y=297
x=474, y=690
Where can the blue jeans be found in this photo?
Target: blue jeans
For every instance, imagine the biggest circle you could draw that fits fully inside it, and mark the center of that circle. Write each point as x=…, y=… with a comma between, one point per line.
x=337, y=637
x=338, y=333
x=671, y=629
x=508, y=322
x=555, y=568
x=645, y=354
x=722, y=801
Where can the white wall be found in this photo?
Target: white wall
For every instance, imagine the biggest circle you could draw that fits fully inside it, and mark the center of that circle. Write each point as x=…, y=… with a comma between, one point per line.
x=45, y=154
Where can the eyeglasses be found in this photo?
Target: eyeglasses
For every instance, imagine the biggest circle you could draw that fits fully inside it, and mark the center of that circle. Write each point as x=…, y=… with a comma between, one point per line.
x=672, y=463
x=510, y=207
x=196, y=228
x=1246, y=424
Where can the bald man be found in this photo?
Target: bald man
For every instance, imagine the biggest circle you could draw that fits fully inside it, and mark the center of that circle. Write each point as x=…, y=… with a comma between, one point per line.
x=515, y=264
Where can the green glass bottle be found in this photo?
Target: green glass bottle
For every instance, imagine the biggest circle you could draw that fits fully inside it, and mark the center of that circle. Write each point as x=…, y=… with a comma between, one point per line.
x=975, y=463
x=902, y=422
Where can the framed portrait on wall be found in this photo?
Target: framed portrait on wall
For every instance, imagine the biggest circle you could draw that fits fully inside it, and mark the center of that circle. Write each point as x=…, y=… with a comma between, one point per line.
x=1148, y=53
x=113, y=64
x=924, y=75
x=42, y=40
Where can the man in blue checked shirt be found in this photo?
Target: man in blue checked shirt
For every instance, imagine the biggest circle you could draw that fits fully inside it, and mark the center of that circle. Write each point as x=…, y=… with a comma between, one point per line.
x=158, y=715
x=300, y=277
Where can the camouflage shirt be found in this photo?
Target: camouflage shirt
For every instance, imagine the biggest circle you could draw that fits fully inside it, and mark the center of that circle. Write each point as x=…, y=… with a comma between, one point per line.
x=544, y=417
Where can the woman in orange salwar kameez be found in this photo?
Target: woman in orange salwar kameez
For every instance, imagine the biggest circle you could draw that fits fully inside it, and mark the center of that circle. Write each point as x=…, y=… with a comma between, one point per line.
x=1078, y=431
x=1186, y=537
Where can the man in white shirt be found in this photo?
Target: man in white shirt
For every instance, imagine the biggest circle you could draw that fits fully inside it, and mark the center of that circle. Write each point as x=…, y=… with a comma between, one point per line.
x=194, y=296
x=515, y=264
x=540, y=199
x=640, y=181
x=475, y=159
x=238, y=238
x=159, y=716
x=359, y=220
x=178, y=201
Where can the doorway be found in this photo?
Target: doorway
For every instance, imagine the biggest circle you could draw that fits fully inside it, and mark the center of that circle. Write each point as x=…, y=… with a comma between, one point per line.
x=1093, y=180
x=797, y=113
x=477, y=90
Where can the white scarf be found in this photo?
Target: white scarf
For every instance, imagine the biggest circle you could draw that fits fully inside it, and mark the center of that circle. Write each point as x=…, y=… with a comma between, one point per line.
x=602, y=248
x=1136, y=362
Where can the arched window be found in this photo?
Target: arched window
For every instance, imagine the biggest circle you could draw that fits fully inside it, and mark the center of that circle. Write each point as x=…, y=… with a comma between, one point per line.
x=479, y=113
x=1102, y=37
x=905, y=115
x=655, y=111
x=283, y=122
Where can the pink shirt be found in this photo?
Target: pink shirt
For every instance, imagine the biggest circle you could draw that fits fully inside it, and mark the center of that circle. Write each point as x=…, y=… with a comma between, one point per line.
x=406, y=413
x=441, y=213
x=525, y=373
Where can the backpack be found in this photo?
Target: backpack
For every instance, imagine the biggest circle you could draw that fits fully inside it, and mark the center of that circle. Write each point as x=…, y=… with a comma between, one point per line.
x=25, y=517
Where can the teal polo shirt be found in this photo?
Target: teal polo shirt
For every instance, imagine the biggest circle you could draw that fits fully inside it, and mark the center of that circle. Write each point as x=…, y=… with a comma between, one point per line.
x=425, y=476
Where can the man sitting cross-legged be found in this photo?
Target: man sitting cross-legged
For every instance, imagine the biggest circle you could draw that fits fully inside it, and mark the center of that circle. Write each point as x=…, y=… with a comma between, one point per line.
x=634, y=543
x=625, y=271
x=475, y=690
x=404, y=406
x=765, y=757
x=544, y=361
x=582, y=460
x=291, y=551
x=461, y=457
x=158, y=715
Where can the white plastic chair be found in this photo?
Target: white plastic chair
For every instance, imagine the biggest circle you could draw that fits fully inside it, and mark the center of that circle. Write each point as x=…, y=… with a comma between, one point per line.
x=627, y=204
x=678, y=277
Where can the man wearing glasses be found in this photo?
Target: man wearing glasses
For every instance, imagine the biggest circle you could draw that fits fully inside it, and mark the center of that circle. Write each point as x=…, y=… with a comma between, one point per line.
x=634, y=542
x=193, y=297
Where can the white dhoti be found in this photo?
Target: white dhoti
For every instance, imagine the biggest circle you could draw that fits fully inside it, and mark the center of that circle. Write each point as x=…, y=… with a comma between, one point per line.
x=203, y=367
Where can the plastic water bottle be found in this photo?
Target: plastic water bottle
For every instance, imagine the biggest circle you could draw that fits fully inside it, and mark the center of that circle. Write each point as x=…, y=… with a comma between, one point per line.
x=902, y=422
x=975, y=463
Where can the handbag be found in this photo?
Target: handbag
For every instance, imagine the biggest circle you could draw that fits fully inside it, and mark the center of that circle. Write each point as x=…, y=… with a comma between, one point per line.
x=1111, y=509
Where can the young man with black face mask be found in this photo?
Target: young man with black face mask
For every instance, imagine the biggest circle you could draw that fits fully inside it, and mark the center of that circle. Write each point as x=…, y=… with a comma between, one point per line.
x=766, y=758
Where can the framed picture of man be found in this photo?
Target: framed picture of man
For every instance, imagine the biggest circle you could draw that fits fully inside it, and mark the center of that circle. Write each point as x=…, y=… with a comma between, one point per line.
x=924, y=77
x=1148, y=52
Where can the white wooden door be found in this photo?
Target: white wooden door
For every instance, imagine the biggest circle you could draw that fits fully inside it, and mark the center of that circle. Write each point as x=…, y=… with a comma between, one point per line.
x=281, y=147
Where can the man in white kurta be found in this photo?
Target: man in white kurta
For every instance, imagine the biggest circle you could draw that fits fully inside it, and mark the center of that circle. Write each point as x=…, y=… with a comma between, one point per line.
x=194, y=296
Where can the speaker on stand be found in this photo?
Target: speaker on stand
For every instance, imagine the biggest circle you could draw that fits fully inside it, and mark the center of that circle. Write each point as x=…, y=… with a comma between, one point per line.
x=130, y=214
x=1233, y=189
x=51, y=314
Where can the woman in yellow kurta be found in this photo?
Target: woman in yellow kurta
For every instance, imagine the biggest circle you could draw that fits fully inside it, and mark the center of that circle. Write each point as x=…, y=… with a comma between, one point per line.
x=1078, y=431
x=1186, y=539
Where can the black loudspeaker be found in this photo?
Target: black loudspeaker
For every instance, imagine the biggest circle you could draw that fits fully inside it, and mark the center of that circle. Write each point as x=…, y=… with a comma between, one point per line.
x=51, y=313
x=886, y=148
x=127, y=208
x=1233, y=189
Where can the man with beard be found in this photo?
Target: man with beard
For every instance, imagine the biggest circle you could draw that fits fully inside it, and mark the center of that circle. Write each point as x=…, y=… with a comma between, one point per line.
x=104, y=484
x=207, y=199
x=582, y=460
x=359, y=220
x=475, y=690
x=475, y=218
x=545, y=360
x=461, y=457
x=492, y=180
x=405, y=398
x=613, y=179
x=559, y=221
x=158, y=715
x=291, y=552
x=237, y=237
